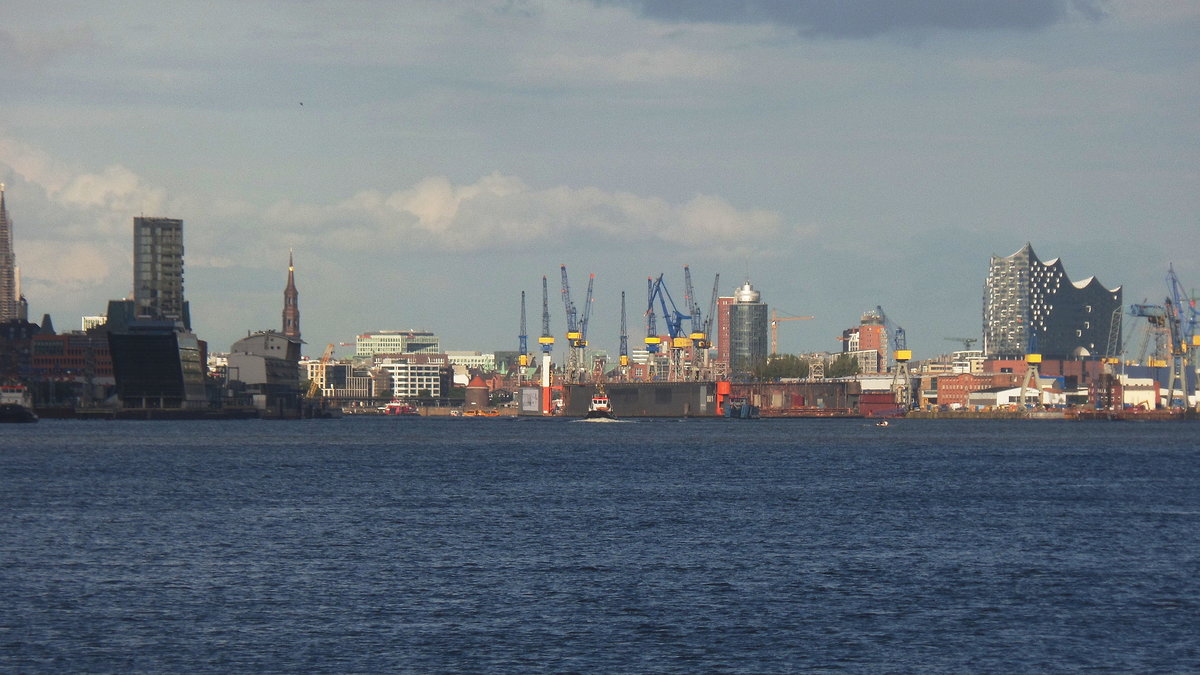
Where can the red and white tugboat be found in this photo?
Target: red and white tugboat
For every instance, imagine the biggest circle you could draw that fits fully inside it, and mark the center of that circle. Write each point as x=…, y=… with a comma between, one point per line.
x=600, y=408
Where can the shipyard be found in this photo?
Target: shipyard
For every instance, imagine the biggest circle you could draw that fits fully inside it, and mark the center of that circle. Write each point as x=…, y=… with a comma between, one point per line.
x=1050, y=349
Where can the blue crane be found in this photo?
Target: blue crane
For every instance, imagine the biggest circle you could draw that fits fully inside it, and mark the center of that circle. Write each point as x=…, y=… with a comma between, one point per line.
x=671, y=314
x=652, y=339
x=899, y=339
x=569, y=307
x=1185, y=313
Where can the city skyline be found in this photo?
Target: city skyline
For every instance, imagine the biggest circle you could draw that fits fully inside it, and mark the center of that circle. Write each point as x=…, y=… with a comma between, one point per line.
x=428, y=162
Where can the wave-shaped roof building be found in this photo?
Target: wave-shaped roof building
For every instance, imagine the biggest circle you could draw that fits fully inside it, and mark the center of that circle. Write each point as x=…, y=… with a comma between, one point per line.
x=1030, y=306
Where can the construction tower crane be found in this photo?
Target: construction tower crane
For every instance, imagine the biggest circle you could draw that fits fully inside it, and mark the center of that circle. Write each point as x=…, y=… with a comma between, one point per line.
x=966, y=342
x=315, y=383
x=775, y=319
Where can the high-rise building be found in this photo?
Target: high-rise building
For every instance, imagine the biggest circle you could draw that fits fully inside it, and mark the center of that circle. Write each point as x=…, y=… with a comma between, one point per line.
x=157, y=361
x=1030, y=306
x=723, y=304
x=291, y=303
x=748, y=326
x=158, y=269
x=10, y=293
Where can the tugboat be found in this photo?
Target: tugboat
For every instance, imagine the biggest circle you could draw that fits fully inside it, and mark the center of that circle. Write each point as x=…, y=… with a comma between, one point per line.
x=600, y=408
x=15, y=404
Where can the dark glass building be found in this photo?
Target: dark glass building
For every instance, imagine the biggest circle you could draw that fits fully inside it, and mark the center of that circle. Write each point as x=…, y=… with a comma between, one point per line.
x=748, y=326
x=1030, y=306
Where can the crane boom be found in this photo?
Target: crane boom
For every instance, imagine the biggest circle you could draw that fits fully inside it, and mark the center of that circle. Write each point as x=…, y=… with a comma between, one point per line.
x=624, y=344
x=652, y=338
x=775, y=319
x=569, y=307
x=546, y=340
x=693, y=307
x=523, y=337
x=712, y=310
x=587, y=312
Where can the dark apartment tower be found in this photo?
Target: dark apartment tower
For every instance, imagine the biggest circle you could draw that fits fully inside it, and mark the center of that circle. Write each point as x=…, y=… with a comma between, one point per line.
x=158, y=269
x=291, y=303
x=10, y=300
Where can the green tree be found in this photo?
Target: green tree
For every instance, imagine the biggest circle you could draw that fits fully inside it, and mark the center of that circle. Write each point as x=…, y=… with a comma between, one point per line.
x=842, y=366
x=779, y=366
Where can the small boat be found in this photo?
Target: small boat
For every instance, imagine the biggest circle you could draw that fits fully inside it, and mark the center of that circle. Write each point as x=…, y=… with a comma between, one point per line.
x=881, y=423
x=486, y=412
x=401, y=408
x=12, y=412
x=600, y=408
x=15, y=404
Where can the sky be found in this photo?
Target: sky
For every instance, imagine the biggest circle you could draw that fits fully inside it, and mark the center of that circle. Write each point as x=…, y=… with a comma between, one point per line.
x=427, y=161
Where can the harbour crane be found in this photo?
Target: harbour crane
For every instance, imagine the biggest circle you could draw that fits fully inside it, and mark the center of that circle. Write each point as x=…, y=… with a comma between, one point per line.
x=901, y=378
x=1186, y=317
x=653, y=341
x=576, y=328
x=967, y=343
x=547, y=339
x=1156, y=330
x=693, y=307
x=624, y=344
x=523, y=338
x=895, y=332
x=671, y=313
x=547, y=343
x=712, y=311
x=775, y=319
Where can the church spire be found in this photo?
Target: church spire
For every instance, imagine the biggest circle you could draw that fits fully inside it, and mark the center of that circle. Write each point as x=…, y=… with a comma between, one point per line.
x=291, y=302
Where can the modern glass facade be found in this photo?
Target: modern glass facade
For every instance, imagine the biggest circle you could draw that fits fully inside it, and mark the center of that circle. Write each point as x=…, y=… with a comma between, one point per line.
x=748, y=324
x=1030, y=306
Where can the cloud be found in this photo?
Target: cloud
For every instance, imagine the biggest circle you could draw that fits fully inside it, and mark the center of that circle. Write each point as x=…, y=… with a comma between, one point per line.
x=868, y=18
x=633, y=66
x=502, y=213
x=34, y=50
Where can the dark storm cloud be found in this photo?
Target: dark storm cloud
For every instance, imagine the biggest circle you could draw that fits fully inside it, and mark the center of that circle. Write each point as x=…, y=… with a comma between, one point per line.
x=866, y=18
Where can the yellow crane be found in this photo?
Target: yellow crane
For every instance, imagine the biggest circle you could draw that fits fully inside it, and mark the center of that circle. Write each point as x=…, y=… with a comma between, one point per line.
x=315, y=383
x=775, y=319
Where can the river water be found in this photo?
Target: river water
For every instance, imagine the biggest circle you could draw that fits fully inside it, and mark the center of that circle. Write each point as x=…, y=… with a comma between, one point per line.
x=681, y=546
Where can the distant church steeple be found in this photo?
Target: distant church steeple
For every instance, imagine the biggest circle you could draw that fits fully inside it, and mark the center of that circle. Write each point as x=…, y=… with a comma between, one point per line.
x=291, y=303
